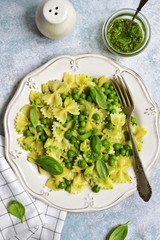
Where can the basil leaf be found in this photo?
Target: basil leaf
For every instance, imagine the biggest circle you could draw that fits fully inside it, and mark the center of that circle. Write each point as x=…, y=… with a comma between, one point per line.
x=95, y=144
x=100, y=98
x=93, y=94
x=33, y=116
x=16, y=209
x=119, y=233
x=50, y=165
x=102, y=169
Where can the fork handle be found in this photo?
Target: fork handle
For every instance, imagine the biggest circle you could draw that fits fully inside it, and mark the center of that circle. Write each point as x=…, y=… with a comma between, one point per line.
x=143, y=186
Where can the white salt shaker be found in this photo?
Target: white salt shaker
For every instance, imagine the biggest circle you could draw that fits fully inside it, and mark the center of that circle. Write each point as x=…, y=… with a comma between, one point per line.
x=55, y=18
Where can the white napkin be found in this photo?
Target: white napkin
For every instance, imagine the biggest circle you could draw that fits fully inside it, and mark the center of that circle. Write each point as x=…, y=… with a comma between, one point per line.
x=41, y=221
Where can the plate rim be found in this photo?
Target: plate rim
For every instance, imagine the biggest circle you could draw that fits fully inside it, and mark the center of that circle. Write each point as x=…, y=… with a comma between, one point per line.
x=75, y=57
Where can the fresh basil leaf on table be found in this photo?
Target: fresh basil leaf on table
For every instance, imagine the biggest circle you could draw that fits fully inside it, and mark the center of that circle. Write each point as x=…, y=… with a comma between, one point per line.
x=119, y=233
x=17, y=209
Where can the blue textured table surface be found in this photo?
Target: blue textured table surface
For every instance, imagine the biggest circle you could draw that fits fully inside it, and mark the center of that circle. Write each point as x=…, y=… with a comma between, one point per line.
x=23, y=48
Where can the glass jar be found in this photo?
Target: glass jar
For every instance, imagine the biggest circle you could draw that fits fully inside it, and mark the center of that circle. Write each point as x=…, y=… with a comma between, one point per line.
x=140, y=19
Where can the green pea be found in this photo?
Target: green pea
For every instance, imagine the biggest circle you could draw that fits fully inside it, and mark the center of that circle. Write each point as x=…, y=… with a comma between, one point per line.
x=82, y=163
x=27, y=133
x=109, y=101
x=83, y=96
x=117, y=104
x=96, y=116
x=75, y=117
x=81, y=118
x=111, y=87
x=66, y=160
x=68, y=134
x=117, y=153
x=114, y=92
x=62, y=185
x=106, y=85
x=107, y=91
x=105, y=142
x=76, y=96
x=109, y=107
x=39, y=128
x=68, y=188
x=95, y=80
x=69, y=96
x=70, y=153
x=96, y=189
x=73, y=140
x=127, y=147
x=44, y=121
x=115, y=99
x=113, y=111
x=83, y=124
x=81, y=130
x=43, y=137
x=75, y=90
x=111, y=162
x=109, y=126
x=111, y=95
x=112, y=156
x=68, y=165
x=63, y=96
x=86, y=113
x=117, y=146
x=68, y=182
x=127, y=153
x=123, y=152
x=89, y=99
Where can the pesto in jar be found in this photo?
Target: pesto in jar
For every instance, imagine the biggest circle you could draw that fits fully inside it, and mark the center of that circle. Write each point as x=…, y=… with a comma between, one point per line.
x=123, y=40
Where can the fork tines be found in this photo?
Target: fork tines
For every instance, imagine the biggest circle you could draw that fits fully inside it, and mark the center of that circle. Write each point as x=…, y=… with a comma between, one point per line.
x=123, y=91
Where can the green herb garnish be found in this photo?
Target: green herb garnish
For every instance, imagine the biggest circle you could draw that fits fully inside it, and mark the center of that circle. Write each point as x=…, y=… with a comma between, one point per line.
x=33, y=116
x=100, y=98
x=102, y=169
x=50, y=165
x=119, y=233
x=16, y=209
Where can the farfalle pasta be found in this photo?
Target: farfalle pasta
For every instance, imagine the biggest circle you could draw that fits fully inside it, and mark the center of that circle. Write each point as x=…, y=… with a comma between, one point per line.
x=76, y=132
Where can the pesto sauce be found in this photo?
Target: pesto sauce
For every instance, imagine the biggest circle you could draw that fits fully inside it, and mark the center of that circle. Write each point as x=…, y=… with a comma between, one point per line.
x=123, y=40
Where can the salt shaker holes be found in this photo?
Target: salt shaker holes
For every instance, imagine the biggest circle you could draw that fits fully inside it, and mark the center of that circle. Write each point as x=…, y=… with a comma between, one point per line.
x=56, y=13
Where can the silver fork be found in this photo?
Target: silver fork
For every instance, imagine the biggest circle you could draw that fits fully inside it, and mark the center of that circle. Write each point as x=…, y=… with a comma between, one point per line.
x=127, y=104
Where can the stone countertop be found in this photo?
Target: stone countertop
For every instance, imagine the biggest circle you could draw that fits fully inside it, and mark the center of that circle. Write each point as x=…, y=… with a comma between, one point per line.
x=23, y=49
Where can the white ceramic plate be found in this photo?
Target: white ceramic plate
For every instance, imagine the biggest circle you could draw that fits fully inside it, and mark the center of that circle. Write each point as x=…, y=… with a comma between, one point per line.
x=146, y=112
